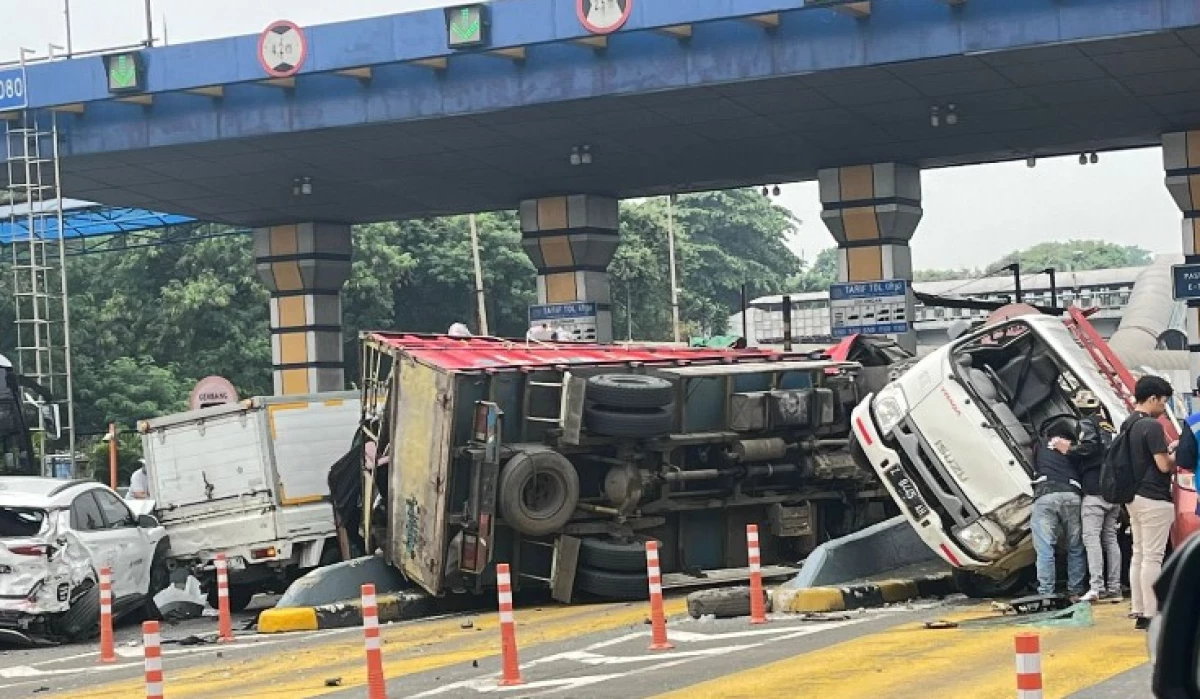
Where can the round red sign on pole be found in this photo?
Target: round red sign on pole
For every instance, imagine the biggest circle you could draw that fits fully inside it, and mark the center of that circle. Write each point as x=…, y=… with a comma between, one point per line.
x=282, y=48
x=210, y=391
x=603, y=16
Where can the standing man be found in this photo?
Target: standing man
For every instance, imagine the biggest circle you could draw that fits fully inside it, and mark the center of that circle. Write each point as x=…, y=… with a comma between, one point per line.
x=1100, y=517
x=139, y=484
x=1151, y=512
x=1058, y=497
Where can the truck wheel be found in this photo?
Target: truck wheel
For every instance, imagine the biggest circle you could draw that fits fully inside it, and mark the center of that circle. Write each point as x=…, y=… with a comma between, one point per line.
x=624, y=555
x=610, y=585
x=978, y=586
x=538, y=492
x=629, y=391
x=632, y=424
x=239, y=597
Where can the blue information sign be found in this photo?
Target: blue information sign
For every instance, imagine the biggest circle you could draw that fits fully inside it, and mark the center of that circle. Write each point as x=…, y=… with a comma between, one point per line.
x=869, y=308
x=561, y=311
x=1187, y=281
x=13, y=94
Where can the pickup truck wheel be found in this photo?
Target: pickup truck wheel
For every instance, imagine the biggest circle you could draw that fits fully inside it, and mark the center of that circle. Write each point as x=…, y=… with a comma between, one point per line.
x=629, y=391
x=624, y=555
x=538, y=492
x=610, y=585
x=239, y=597
x=977, y=586
x=631, y=424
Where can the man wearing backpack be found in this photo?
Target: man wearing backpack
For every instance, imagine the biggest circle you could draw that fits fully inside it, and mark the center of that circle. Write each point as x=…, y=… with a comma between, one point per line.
x=1138, y=474
x=1099, y=515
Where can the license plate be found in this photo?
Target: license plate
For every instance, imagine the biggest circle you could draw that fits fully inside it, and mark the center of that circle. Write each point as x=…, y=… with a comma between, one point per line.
x=910, y=498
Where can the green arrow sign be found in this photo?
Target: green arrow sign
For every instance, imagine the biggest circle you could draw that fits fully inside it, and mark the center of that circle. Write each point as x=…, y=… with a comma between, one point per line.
x=466, y=26
x=124, y=72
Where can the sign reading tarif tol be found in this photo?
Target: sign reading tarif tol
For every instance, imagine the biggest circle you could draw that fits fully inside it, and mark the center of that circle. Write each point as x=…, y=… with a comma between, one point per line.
x=1187, y=281
x=12, y=89
x=466, y=27
x=869, y=308
x=282, y=49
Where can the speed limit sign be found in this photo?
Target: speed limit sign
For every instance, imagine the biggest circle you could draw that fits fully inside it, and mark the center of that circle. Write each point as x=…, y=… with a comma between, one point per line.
x=282, y=49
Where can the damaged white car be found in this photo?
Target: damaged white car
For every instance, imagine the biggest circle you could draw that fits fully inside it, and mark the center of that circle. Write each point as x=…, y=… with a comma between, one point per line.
x=55, y=536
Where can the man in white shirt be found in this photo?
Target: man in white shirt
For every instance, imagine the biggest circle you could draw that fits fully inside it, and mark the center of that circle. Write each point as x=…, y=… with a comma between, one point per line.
x=540, y=333
x=139, y=484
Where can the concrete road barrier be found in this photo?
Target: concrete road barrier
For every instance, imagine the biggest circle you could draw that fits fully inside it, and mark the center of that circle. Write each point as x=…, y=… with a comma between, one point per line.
x=396, y=606
x=860, y=595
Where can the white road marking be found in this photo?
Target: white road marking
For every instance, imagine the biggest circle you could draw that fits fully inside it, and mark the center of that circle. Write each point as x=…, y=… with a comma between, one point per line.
x=588, y=656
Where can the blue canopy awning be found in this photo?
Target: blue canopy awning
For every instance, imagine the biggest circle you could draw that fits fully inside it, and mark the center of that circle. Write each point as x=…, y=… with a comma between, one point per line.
x=81, y=219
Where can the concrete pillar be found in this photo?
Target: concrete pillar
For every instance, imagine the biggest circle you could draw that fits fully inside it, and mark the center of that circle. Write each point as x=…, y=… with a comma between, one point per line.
x=1181, y=160
x=571, y=240
x=872, y=212
x=305, y=265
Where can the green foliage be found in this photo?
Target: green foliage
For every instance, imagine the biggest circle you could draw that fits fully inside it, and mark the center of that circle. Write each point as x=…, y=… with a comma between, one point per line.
x=129, y=450
x=148, y=323
x=1074, y=256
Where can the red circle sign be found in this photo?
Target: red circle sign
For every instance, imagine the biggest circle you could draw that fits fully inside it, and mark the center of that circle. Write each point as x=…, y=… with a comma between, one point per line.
x=603, y=16
x=282, y=48
x=210, y=391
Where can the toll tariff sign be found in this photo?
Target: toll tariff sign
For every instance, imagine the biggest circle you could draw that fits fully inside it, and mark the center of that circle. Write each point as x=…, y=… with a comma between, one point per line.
x=869, y=308
x=12, y=89
x=1187, y=282
x=575, y=322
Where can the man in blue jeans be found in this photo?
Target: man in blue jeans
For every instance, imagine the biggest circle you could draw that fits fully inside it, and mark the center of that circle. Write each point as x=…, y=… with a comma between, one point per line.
x=1058, y=498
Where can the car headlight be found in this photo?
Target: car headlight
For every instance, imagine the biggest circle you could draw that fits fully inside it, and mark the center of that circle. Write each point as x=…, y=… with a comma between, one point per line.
x=976, y=538
x=890, y=408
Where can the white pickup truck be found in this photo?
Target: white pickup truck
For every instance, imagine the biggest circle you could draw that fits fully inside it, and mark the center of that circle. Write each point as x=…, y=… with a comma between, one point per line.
x=952, y=440
x=249, y=480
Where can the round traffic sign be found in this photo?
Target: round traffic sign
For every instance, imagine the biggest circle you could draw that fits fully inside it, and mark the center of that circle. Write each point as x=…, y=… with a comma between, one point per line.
x=603, y=16
x=282, y=48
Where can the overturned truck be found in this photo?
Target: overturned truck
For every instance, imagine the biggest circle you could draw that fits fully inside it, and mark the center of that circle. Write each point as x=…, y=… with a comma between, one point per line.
x=564, y=460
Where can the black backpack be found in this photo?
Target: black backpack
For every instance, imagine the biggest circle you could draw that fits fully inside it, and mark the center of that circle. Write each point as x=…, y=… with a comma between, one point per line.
x=1118, y=482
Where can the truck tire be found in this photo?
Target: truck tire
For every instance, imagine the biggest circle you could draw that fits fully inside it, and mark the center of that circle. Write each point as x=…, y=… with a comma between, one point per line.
x=622, y=555
x=629, y=391
x=630, y=424
x=239, y=597
x=978, y=586
x=610, y=585
x=538, y=492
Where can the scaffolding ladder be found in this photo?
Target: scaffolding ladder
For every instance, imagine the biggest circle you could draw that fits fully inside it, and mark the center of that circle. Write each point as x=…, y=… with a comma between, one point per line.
x=39, y=275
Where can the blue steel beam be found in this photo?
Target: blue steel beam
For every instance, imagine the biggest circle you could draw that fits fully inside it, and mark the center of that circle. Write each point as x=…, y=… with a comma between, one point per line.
x=722, y=49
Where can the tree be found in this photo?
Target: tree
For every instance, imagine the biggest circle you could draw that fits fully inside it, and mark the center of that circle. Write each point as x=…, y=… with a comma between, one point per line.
x=722, y=239
x=822, y=273
x=1074, y=256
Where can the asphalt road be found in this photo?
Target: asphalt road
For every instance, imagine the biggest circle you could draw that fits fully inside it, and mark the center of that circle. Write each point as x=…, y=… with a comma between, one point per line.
x=600, y=650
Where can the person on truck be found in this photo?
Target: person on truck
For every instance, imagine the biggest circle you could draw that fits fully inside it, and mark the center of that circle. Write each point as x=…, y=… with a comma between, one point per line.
x=139, y=484
x=1100, y=517
x=1058, y=499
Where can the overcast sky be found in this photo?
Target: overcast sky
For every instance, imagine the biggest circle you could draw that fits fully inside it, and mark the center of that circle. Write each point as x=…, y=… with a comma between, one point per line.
x=972, y=214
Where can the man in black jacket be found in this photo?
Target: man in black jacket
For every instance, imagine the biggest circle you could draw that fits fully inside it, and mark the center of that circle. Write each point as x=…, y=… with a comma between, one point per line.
x=1100, y=517
x=1056, y=508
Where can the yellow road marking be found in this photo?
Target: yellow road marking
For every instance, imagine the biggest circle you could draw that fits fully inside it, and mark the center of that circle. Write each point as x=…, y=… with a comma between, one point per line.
x=911, y=661
x=408, y=649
